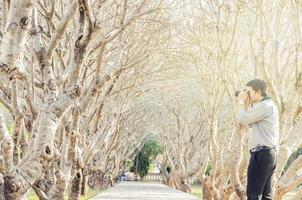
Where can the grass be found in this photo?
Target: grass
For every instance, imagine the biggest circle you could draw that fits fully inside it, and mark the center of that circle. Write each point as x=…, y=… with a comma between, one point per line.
x=197, y=191
x=2, y=107
x=90, y=193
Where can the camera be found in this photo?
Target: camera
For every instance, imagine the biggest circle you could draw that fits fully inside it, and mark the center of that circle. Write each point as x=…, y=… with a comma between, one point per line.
x=238, y=92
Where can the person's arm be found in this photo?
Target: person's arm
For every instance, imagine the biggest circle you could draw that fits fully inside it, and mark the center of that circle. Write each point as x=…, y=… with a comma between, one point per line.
x=257, y=113
x=243, y=105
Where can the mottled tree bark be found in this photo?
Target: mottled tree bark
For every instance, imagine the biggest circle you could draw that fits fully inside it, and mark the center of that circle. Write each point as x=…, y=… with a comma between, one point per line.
x=84, y=183
x=1, y=187
x=206, y=193
x=75, y=190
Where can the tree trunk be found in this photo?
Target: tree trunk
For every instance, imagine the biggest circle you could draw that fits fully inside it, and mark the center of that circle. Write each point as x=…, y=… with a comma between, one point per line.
x=98, y=180
x=165, y=174
x=206, y=193
x=1, y=187
x=84, y=184
x=185, y=187
x=75, y=189
x=57, y=191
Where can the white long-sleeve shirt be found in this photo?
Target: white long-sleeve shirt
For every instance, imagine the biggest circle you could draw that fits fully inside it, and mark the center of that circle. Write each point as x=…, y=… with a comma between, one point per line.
x=263, y=118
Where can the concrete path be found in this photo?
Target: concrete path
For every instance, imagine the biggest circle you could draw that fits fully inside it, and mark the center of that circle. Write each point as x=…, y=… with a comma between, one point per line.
x=143, y=191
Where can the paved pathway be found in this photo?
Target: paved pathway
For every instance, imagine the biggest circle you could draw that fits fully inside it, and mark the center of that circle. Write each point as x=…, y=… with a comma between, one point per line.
x=143, y=191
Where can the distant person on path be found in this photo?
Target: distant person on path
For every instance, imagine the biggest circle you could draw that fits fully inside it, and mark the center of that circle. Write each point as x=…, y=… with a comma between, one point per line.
x=259, y=112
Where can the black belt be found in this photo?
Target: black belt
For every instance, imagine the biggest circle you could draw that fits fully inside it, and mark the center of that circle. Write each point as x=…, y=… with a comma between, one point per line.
x=256, y=149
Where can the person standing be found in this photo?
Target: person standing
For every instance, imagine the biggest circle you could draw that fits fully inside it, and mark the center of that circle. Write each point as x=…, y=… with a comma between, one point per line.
x=260, y=113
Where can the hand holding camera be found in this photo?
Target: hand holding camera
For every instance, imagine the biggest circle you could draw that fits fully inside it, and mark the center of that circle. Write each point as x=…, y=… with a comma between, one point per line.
x=243, y=96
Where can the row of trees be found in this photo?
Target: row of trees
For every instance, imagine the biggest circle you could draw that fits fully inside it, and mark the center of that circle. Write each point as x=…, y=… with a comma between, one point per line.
x=86, y=83
x=69, y=71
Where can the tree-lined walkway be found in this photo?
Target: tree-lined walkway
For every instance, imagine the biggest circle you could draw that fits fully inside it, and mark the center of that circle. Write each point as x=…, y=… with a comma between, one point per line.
x=143, y=191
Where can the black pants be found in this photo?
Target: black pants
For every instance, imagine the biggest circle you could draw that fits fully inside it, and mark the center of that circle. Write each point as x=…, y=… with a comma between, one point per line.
x=261, y=168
